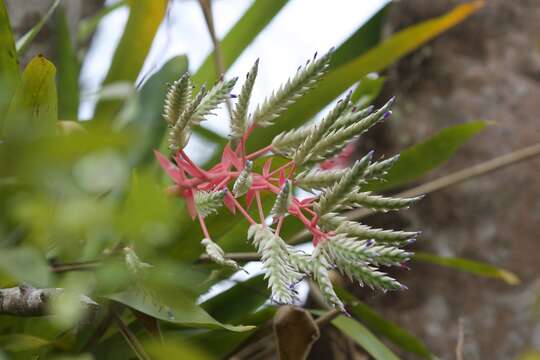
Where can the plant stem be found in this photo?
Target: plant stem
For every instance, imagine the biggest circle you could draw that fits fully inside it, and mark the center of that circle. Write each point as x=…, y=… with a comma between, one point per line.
x=259, y=152
x=130, y=338
x=206, y=7
x=241, y=209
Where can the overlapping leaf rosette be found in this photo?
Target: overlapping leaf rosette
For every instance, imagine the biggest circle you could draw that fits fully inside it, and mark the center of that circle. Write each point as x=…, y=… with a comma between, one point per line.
x=316, y=161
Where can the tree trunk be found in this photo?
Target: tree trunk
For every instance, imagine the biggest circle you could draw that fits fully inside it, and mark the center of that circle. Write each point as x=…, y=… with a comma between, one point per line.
x=487, y=68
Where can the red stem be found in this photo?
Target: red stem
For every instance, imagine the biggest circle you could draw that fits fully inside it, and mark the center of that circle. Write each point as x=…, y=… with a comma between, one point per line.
x=241, y=209
x=203, y=226
x=259, y=152
x=280, y=168
x=188, y=160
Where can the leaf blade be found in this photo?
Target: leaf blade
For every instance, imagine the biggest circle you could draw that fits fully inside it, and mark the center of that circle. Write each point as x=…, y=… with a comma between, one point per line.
x=24, y=42
x=143, y=22
x=471, y=266
x=384, y=327
x=363, y=337
x=9, y=63
x=239, y=37
x=34, y=106
x=418, y=160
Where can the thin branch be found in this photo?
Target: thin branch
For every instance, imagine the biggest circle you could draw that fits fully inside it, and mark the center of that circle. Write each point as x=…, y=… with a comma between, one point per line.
x=445, y=181
x=25, y=300
x=206, y=7
x=461, y=340
x=75, y=266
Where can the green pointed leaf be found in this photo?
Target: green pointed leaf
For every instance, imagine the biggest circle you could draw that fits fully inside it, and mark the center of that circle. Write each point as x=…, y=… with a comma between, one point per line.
x=184, y=312
x=25, y=264
x=9, y=63
x=376, y=59
x=24, y=42
x=143, y=22
x=33, y=111
x=239, y=37
x=470, y=266
x=363, y=337
x=68, y=69
x=384, y=327
x=420, y=159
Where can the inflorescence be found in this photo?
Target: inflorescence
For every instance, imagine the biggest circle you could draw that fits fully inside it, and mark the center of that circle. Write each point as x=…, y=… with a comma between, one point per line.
x=313, y=158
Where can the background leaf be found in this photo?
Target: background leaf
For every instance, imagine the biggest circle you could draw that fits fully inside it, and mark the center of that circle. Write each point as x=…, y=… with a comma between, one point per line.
x=26, y=39
x=88, y=25
x=68, y=69
x=239, y=37
x=470, y=266
x=363, y=337
x=364, y=38
x=184, y=312
x=9, y=63
x=34, y=105
x=25, y=264
x=420, y=159
x=384, y=327
x=143, y=22
x=146, y=107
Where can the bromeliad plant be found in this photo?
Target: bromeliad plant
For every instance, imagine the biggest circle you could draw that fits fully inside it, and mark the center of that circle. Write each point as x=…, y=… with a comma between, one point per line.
x=314, y=162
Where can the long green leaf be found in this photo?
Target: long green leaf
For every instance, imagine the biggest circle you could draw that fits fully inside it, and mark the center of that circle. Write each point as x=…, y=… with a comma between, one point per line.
x=33, y=111
x=9, y=63
x=376, y=59
x=24, y=42
x=239, y=37
x=469, y=266
x=68, y=69
x=420, y=159
x=384, y=327
x=184, y=312
x=143, y=22
x=363, y=337
x=25, y=264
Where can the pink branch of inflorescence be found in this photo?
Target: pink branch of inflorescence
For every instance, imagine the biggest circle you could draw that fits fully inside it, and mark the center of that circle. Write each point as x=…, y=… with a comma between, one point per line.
x=190, y=178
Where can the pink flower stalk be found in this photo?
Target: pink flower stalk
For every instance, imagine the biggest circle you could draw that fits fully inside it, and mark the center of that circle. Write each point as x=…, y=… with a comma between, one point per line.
x=189, y=178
